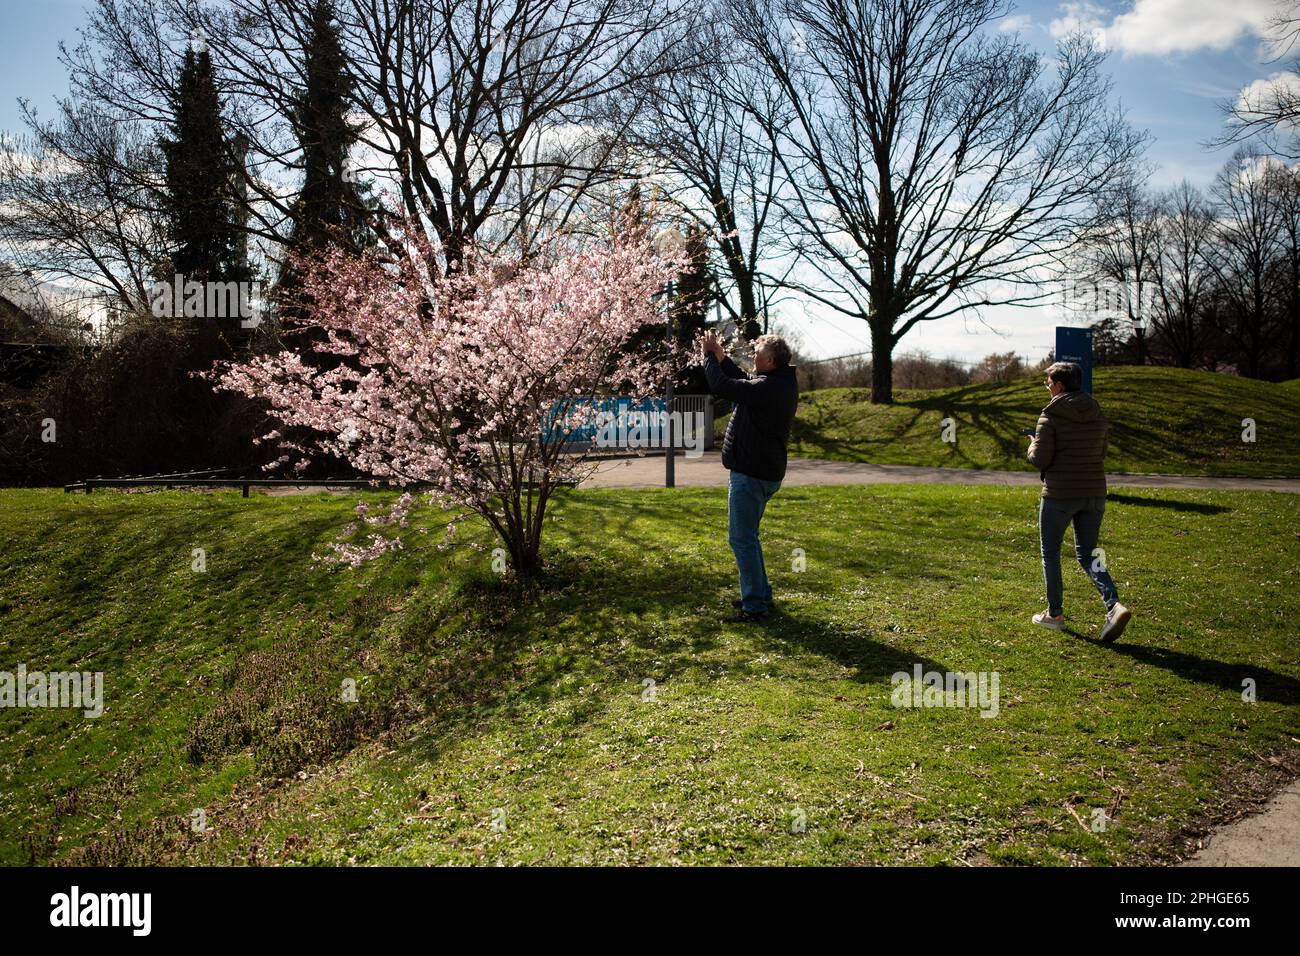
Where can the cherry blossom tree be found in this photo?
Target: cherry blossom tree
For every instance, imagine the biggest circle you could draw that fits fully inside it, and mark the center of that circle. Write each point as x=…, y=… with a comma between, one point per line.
x=464, y=386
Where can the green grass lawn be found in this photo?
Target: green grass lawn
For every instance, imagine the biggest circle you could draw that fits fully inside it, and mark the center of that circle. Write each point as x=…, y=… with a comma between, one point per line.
x=1163, y=420
x=500, y=723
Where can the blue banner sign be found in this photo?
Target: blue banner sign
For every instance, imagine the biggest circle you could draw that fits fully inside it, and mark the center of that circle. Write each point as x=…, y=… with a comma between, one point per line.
x=622, y=415
x=1074, y=344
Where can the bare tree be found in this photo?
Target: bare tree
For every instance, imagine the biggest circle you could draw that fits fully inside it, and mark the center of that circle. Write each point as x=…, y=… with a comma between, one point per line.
x=1285, y=192
x=1270, y=109
x=489, y=120
x=128, y=62
x=695, y=126
x=934, y=167
x=79, y=201
x=462, y=97
x=1182, y=271
x=85, y=192
x=1248, y=241
x=1118, y=252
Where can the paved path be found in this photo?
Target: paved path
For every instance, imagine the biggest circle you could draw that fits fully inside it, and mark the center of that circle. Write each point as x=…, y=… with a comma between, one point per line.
x=707, y=472
x=1268, y=838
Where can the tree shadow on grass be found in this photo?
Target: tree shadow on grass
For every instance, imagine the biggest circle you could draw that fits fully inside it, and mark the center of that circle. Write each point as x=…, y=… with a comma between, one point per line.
x=103, y=567
x=704, y=524
x=506, y=664
x=1133, y=441
x=586, y=623
x=815, y=433
x=996, y=414
x=1194, y=507
x=873, y=661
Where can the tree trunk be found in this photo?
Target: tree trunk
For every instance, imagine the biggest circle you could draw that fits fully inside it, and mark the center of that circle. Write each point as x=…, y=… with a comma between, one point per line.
x=749, y=324
x=882, y=362
x=1252, y=357
x=1294, y=341
x=528, y=563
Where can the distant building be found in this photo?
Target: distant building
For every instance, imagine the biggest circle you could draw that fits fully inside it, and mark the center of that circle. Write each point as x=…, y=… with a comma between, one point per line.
x=40, y=325
x=16, y=320
x=36, y=312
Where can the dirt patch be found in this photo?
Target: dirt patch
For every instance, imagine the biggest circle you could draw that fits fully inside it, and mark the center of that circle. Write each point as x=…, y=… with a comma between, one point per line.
x=1246, y=793
x=1270, y=837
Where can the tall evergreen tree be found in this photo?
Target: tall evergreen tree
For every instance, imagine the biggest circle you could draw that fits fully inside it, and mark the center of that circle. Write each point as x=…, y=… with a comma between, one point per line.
x=202, y=174
x=205, y=208
x=330, y=210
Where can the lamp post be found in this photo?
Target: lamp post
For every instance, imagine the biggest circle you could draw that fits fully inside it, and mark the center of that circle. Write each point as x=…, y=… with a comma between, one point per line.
x=1137, y=316
x=669, y=243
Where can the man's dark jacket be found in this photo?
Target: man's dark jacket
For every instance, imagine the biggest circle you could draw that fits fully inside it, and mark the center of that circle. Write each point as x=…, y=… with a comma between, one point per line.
x=1069, y=447
x=760, y=425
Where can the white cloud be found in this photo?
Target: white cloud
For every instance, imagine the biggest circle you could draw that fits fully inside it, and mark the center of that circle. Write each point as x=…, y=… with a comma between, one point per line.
x=1080, y=16
x=1162, y=27
x=1016, y=22
x=1263, y=95
x=1183, y=26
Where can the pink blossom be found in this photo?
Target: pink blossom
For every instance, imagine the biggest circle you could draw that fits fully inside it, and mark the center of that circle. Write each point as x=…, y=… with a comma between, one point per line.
x=449, y=380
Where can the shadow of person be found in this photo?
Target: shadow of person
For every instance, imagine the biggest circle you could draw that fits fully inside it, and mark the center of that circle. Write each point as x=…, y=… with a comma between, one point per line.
x=1269, y=684
x=1192, y=506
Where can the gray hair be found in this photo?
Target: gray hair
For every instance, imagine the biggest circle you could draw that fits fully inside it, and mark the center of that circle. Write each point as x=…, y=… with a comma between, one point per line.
x=777, y=349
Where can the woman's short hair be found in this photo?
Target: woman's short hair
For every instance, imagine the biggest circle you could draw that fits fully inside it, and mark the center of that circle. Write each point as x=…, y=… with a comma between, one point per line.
x=776, y=348
x=1067, y=374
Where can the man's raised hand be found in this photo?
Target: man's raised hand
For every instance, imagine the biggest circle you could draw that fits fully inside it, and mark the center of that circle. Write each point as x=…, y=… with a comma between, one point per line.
x=712, y=345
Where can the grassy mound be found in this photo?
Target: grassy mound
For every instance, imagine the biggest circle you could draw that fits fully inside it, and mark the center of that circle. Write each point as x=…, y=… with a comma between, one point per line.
x=1163, y=420
x=608, y=717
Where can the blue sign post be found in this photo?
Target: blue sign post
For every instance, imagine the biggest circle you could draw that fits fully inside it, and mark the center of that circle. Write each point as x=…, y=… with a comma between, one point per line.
x=1074, y=344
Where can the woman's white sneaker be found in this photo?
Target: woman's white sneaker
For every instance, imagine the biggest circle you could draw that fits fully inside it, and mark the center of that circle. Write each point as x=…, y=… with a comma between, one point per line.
x=1045, y=619
x=1117, y=619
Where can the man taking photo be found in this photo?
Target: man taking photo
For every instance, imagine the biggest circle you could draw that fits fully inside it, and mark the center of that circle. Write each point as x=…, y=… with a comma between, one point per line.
x=754, y=450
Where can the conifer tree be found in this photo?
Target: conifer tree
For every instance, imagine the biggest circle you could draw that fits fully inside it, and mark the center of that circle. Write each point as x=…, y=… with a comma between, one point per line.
x=330, y=211
x=202, y=177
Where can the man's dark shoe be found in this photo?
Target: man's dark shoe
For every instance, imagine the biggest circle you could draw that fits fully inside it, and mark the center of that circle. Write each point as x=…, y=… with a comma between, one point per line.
x=745, y=617
x=738, y=604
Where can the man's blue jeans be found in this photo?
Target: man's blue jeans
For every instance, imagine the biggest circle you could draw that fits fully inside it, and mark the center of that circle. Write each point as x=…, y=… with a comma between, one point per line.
x=746, y=500
x=1054, y=515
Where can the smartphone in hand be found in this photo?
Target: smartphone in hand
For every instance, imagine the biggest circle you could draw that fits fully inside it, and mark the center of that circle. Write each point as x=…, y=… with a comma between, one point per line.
x=1028, y=433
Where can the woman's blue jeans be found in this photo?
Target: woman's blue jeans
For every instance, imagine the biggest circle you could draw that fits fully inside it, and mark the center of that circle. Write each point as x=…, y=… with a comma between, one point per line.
x=746, y=500
x=1054, y=515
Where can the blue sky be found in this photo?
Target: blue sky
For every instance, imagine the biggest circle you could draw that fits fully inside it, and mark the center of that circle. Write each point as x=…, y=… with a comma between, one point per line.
x=1173, y=62
x=29, y=46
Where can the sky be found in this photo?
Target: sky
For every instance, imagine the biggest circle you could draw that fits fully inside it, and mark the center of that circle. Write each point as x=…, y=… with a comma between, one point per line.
x=1172, y=61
